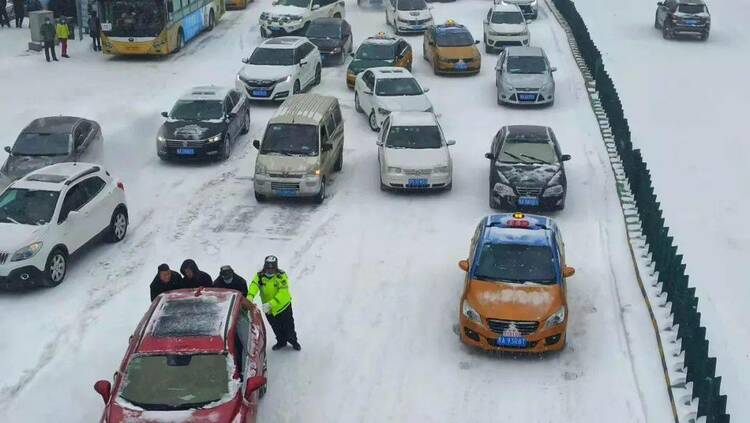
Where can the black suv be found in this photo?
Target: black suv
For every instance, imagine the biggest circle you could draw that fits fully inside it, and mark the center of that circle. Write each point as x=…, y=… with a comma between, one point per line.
x=526, y=169
x=683, y=18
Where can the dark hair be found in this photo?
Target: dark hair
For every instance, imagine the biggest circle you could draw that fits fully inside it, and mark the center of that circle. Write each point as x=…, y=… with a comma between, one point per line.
x=163, y=267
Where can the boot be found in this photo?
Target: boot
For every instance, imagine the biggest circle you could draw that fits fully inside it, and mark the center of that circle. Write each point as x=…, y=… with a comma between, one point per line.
x=278, y=346
x=296, y=345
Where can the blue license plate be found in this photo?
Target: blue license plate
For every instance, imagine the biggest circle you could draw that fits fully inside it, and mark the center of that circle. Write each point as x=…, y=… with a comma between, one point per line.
x=421, y=182
x=186, y=151
x=511, y=341
x=259, y=93
x=527, y=97
x=528, y=201
x=691, y=22
x=287, y=193
x=460, y=66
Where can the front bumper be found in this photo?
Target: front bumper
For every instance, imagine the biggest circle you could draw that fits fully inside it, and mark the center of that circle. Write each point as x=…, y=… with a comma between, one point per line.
x=277, y=91
x=502, y=41
x=21, y=278
x=408, y=27
x=402, y=181
x=540, y=341
x=269, y=186
x=280, y=29
x=457, y=68
x=189, y=150
x=525, y=97
x=508, y=199
x=350, y=79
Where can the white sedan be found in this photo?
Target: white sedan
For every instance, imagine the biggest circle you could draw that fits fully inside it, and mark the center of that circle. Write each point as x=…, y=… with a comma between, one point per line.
x=380, y=91
x=413, y=153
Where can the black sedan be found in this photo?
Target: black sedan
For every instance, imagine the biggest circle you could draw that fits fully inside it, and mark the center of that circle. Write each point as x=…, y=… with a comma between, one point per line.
x=333, y=37
x=526, y=169
x=203, y=124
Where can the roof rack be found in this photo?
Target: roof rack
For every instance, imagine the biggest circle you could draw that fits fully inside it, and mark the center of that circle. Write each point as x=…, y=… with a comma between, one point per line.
x=86, y=172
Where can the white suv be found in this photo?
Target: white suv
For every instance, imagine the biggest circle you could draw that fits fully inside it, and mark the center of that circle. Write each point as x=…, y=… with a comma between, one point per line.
x=279, y=68
x=413, y=153
x=380, y=91
x=504, y=25
x=288, y=17
x=50, y=214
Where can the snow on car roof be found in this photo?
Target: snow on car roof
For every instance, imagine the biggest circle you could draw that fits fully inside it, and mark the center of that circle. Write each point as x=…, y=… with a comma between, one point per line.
x=413, y=119
x=380, y=40
x=283, y=42
x=505, y=229
x=210, y=92
x=180, y=315
x=391, y=72
x=53, y=125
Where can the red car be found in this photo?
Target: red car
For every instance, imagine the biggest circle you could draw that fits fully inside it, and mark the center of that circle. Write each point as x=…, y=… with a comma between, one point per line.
x=198, y=355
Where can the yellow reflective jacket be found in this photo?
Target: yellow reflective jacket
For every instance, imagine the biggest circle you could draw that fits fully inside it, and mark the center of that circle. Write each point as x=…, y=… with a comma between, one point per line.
x=273, y=291
x=62, y=31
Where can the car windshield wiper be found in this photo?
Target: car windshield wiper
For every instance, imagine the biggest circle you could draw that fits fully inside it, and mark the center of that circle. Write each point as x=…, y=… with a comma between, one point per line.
x=535, y=158
x=520, y=160
x=11, y=220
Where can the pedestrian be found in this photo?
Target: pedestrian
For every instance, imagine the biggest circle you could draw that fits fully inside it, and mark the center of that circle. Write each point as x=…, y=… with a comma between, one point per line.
x=165, y=280
x=63, y=33
x=95, y=31
x=19, y=9
x=48, y=36
x=273, y=285
x=230, y=280
x=194, y=277
x=4, y=19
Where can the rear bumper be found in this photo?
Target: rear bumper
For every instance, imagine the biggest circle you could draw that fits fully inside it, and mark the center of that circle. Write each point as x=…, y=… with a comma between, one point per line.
x=542, y=340
x=22, y=278
x=679, y=29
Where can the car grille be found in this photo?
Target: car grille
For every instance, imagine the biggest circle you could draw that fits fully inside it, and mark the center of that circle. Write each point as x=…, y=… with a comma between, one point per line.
x=529, y=191
x=524, y=327
x=258, y=82
x=508, y=43
x=285, y=175
x=528, y=90
x=3, y=257
x=418, y=172
x=278, y=186
x=185, y=143
x=467, y=60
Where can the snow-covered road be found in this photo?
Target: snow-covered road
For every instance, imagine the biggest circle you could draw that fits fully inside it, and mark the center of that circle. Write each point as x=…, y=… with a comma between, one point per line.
x=374, y=275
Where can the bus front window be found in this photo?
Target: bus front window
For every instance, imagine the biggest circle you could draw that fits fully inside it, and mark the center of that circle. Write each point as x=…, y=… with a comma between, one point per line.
x=136, y=18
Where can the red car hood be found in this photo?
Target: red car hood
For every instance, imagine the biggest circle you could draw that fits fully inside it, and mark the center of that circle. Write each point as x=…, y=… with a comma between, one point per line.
x=223, y=413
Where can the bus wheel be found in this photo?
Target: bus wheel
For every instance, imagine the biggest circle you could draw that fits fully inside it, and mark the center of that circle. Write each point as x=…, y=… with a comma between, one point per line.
x=211, y=20
x=180, y=41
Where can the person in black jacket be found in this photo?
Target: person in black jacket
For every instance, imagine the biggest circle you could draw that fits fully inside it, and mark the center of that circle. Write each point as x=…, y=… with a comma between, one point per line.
x=19, y=9
x=95, y=31
x=230, y=280
x=194, y=277
x=165, y=280
x=4, y=19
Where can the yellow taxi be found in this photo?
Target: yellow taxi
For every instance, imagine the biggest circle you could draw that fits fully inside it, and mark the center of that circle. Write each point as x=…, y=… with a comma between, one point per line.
x=451, y=49
x=380, y=50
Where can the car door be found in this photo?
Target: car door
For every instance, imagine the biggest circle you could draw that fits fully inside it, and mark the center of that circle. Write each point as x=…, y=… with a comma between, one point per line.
x=245, y=359
x=241, y=109
x=499, y=70
x=81, y=139
x=308, y=68
x=231, y=118
x=486, y=23
x=381, y=143
x=338, y=133
x=346, y=31
x=366, y=100
x=429, y=44
x=100, y=202
x=661, y=11
x=76, y=229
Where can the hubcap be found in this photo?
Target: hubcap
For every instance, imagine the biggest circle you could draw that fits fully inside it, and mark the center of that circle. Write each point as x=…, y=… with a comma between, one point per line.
x=121, y=225
x=373, y=121
x=57, y=268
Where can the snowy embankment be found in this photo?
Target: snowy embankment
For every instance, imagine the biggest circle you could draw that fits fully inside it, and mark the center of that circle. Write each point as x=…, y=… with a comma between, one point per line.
x=374, y=275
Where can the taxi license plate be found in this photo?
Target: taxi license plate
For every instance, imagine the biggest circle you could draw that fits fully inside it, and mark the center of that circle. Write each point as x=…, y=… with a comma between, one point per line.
x=527, y=97
x=460, y=66
x=259, y=93
x=286, y=193
x=420, y=182
x=528, y=201
x=511, y=341
x=186, y=151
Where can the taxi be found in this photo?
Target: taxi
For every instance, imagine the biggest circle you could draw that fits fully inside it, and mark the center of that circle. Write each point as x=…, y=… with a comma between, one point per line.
x=379, y=50
x=514, y=298
x=451, y=49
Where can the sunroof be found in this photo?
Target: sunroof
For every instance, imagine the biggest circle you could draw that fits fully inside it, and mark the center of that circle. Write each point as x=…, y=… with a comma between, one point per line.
x=55, y=179
x=190, y=317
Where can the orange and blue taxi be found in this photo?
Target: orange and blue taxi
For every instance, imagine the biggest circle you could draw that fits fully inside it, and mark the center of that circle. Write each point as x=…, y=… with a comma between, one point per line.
x=451, y=49
x=377, y=51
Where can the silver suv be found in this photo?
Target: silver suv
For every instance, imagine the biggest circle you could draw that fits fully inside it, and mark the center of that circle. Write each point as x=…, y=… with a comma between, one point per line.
x=523, y=76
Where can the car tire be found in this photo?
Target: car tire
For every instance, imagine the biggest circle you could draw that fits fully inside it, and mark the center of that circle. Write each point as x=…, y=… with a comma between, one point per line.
x=118, y=225
x=357, y=107
x=665, y=31
x=211, y=21
x=303, y=31
x=317, y=75
x=493, y=204
x=488, y=49
x=56, y=268
x=296, y=88
x=704, y=36
x=656, y=21
x=435, y=67
x=260, y=197
x=339, y=161
x=337, y=15
x=321, y=195
x=449, y=187
x=264, y=33
x=372, y=120
x=246, y=125
x=226, y=150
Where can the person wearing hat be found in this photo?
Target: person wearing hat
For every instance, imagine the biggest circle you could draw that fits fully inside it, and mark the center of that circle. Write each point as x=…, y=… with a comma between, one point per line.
x=48, y=36
x=63, y=33
x=193, y=277
x=230, y=280
x=165, y=280
x=273, y=285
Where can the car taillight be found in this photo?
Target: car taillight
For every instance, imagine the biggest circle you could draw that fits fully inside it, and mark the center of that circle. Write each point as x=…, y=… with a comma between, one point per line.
x=121, y=186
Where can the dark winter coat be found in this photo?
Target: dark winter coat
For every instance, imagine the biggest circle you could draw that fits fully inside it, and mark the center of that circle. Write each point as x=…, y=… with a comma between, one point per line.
x=3, y=4
x=18, y=8
x=238, y=283
x=95, y=26
x=48, y=32
x=158, y=287
x=200, y=278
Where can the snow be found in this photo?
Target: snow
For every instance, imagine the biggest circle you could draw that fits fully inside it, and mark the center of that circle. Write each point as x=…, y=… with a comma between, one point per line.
x=685, y=103
x=374, y=277
x=516, y=296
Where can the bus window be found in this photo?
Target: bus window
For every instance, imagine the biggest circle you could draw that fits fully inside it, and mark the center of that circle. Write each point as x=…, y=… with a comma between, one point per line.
x=136, y=18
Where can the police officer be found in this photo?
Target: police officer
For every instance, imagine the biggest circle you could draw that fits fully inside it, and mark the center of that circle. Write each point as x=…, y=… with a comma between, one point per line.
x=273, y=285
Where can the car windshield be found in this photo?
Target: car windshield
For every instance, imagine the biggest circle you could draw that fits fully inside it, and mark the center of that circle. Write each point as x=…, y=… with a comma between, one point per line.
x=29, y=144
x=691, y=8
x=528, y=150
x=516, y=263
x=177, y=382
x=324, y=30
x=296, y=3
x=27, y=206
x=454, y=37
x=397, y=87
x=412, y=5
x=134, y=18
x=507, y=18
x=197, y=110
x=272, y=57
x=526, y=64
x=375, y=52
x=290, y=140
x=414, y=137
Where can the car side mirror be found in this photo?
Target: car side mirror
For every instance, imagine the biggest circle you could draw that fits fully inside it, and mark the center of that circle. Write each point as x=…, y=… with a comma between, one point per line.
x=256, y=144
x=245, y=60
x=568, y=271
x=565, y=157
x=165, y=114
x=231, y=115
x=464, y=265
x=476, y=41
x=379, y=143
x=315, y=7
x=659, y=3
x=7, y=149
x=489, y=156
x=425, y=90
x=553, y=69
x=432, y=43
x=104, y=388
x=450, y=142
x=351, y=54
x=367, y=91
x=252, y=385
x=528, y=21
x=302, y=62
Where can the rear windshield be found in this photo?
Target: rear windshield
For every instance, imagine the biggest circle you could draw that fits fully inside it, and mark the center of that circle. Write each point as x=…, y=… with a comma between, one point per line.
x=691, y=8
x=177, y=382
x=454, y=37
x=414, y=137
x=30, y=144
x=324, y=30
x=290, y=140
x=376, y=52
x=516, y=264
x=272, y=57
x=507, y=18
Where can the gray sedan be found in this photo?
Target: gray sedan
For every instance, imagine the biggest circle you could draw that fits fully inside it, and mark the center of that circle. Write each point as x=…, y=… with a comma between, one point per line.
x=51, y=140
x=524, y=76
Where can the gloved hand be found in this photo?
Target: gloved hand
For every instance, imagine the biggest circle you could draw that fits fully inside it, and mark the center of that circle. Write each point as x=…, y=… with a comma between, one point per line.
x=267, y=308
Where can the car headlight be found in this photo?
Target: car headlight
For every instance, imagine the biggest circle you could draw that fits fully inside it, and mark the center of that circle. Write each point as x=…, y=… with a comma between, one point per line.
x=160, y=139
x=507, y=86
x=547, y=86
x=502, y=178
x=556, y=179
x=287, y=78
x=294, y=18
x=556, y=319
x=264, y=16
x=383, y=111
x=260, y=169
x=553, y=191
x=215, y=138
x=470, y=313
x=394, y=169
x=442, y=169
x=503, y=190
x=444, y=60
x=315, y=172
x=336, y=50
x=27, y=252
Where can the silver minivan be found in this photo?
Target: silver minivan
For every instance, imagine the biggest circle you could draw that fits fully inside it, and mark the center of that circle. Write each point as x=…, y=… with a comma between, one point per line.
x=302, y=146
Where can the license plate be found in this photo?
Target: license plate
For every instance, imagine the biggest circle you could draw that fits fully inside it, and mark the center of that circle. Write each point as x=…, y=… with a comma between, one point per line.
x=259, y=93
x=511, y=341
x=527, y=97
x=460, y=66
x=186, y=151
x=528, y=201
x=691, y=22
x=286, y=193
x=421, y=182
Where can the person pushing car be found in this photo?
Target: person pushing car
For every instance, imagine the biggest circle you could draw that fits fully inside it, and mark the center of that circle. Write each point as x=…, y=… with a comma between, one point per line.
x=273, y=285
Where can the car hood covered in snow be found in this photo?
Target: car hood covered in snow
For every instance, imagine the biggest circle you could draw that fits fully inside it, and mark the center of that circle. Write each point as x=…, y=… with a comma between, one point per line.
x=266, y=71
x=411, y=15
x=423, y=158
x=526, y=80
x=529, y=175
x=191, y=130
x=15, y=236
x=279, y=10
x=17, y=167
x=508, y=301
x=404, y=103
x=506, y=28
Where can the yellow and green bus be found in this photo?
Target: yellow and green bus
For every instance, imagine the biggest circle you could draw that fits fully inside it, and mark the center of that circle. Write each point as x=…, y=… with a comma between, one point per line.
x=155, y=27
